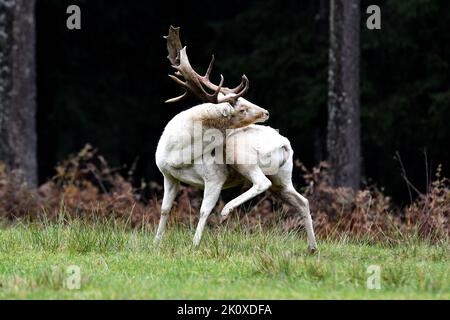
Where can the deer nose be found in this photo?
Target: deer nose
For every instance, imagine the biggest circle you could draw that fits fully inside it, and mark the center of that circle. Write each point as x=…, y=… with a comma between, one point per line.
x=266, y=113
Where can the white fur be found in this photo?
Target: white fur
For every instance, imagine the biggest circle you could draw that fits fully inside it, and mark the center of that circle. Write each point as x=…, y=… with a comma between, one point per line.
x=269, y=165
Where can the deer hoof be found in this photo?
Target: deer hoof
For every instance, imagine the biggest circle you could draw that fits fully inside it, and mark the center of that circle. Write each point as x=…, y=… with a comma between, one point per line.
x=225, y=212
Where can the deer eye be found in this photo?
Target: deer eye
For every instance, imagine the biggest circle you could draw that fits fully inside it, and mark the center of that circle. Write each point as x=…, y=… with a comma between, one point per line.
x=243, y=111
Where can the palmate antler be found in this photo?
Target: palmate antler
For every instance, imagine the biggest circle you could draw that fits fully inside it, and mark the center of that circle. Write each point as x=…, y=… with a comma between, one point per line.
x=193, y=82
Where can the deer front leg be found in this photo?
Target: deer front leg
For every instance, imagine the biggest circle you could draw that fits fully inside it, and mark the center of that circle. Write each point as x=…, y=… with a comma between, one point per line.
x=260, y=184
x=210, y=196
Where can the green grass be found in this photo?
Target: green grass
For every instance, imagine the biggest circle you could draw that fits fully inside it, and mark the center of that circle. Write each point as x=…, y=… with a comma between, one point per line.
x=117, y=262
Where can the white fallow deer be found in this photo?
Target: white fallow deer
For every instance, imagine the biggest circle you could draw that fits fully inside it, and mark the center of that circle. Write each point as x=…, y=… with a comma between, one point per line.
x=253, y=153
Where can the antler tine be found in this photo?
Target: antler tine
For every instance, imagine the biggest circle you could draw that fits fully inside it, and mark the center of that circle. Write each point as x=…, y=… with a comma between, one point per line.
x=210, y=66
x=243, y=83
x=215, y=95
x=181, y=83
x=246, y=86
x=246, y=83
x=177, y=98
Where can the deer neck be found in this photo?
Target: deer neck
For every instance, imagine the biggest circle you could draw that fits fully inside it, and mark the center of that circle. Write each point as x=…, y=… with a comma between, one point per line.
x=211, y=117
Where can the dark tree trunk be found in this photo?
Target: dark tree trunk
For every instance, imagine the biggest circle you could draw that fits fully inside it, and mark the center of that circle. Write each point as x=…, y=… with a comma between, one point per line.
x=17, y=87
x=343, y=138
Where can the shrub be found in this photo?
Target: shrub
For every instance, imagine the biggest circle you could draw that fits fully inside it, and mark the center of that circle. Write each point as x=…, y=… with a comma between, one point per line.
x=86, y=186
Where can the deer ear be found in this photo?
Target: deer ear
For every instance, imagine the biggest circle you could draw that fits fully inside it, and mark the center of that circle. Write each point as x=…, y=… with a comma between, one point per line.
x=227, y=111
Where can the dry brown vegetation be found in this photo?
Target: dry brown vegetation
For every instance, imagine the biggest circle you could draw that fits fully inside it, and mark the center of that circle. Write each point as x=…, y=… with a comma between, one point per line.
x=86, y=186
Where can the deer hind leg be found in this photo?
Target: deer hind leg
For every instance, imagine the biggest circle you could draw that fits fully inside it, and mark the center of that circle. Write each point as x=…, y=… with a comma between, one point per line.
x=260, y=184
x=211, y=194
x=301, y=204
x=171, y=187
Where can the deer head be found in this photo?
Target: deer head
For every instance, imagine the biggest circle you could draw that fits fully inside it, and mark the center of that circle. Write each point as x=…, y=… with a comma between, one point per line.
x=244, y=112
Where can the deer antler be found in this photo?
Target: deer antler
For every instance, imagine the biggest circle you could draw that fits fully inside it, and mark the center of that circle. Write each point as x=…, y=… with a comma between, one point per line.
x=193, y=82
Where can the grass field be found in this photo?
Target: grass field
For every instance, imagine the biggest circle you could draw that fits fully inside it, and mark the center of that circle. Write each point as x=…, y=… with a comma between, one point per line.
x=118, y=262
